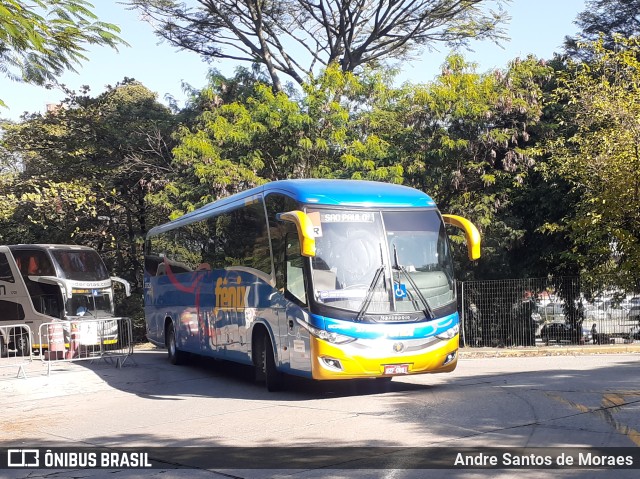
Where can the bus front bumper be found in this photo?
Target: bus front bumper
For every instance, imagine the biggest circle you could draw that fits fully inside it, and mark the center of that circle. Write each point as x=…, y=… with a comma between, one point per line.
x=363, y=359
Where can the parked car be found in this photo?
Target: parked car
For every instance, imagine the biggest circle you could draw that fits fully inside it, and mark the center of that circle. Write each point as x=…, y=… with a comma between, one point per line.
x=634, y=313
x=593, y=313
x=553, y=312
x=618, y=314
x=561, y=332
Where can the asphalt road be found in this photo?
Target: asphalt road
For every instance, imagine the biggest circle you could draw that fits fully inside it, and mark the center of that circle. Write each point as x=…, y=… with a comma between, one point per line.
x=553, y=401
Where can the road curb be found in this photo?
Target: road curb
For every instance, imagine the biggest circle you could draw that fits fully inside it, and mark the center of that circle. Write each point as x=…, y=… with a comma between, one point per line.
x=473, y=353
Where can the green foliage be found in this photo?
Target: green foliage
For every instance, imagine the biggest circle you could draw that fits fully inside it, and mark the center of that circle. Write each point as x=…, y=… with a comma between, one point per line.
x=40, y=208
x=10, y=200
x=101, y=171
x=463, y=139
x=552, y=185
x=86, y=170
x=42, y=39
x=265, y=135
x=600, y=158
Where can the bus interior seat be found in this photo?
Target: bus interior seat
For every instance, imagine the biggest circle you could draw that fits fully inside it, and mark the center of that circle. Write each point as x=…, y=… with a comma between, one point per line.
x=323, y=277
x=33, y=268
x=325, y=280
x=161, y=270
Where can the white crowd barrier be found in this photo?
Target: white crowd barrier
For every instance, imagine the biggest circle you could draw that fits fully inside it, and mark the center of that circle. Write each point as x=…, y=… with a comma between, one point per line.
x=15, y=347
x=86, y=339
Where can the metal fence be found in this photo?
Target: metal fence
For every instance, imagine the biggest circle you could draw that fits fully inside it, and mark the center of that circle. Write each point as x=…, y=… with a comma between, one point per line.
x=530, y=312
x=88, y=339
x=109, y=339
x=15, y=350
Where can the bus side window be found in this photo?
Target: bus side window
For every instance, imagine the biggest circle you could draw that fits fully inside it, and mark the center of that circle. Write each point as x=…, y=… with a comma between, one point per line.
x=39, y=265
x=295, y=283
x=34, y=267
x=11, y=312
x=5, y=271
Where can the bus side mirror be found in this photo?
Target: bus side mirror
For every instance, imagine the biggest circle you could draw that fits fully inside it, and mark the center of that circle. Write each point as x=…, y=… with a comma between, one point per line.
x=305, y=230
x=471, y=233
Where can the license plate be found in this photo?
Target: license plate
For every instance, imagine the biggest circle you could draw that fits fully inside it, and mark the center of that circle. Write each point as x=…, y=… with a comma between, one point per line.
x=396, y=369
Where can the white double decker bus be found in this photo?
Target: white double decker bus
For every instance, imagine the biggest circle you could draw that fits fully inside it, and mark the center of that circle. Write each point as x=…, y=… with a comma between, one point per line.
x=42, y=283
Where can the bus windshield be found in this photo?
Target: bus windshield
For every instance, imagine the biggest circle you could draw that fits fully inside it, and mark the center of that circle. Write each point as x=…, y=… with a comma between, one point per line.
x=382, y=263
x=92, y=303
x=80, y=265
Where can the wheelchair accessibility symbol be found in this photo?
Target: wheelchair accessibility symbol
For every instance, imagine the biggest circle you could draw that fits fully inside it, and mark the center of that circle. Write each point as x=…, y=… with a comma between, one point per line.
x=400, y=291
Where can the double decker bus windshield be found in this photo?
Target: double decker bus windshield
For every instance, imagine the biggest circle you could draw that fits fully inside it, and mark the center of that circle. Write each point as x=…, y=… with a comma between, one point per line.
x=381, y=262
x=92, y=300
x=92, y=303
x=80, y=265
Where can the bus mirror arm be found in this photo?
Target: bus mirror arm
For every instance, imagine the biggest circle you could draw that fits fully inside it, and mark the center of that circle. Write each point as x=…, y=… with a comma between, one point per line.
x=305, y=230
x=125, y=283
x=472, y=235
x=66, y=291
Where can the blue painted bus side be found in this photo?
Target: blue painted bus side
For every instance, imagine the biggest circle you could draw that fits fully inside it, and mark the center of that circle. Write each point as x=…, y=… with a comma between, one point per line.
x=215, y=312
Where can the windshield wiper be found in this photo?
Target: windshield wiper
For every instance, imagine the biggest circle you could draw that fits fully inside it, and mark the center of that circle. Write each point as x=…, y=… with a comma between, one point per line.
x=428, y=312
x=370, y=291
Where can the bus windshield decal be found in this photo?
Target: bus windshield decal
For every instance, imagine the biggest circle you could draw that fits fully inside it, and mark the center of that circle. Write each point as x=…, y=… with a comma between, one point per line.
x=348, y=217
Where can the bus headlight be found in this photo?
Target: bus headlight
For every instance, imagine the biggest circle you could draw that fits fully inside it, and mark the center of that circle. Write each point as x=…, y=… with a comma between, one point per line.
x=449, y=333
x=334, y=338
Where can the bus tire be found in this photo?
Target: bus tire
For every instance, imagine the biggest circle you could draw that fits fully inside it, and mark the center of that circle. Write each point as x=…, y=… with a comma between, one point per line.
x=266, y=365
x=175, y=356
x=4, y=349
x=274, y=379
x=21, y=344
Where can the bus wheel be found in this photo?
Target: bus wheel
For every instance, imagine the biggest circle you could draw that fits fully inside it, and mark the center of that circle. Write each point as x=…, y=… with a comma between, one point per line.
x=273, y=378
x=4, y=350
x=22, y=345
x=175, y=355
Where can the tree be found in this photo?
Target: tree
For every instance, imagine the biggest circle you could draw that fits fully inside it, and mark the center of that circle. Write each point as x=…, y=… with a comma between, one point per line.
x=464, y=138
x=603, y=18
x=247, y=135
x=544, y=197
x=293, y=37
x=601, y=159
x=9, y=162
x=87, y=170
x=42, y=39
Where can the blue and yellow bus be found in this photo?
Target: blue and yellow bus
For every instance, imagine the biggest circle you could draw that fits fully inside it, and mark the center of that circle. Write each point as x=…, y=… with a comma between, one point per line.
x=326, y=279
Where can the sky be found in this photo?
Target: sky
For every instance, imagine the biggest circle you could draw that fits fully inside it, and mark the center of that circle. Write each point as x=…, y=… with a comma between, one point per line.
x=536, y=27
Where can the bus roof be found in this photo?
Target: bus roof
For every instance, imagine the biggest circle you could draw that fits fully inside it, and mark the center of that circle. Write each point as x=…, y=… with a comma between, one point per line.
x=51, y=246
x=325, y=192
x=350, y=193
